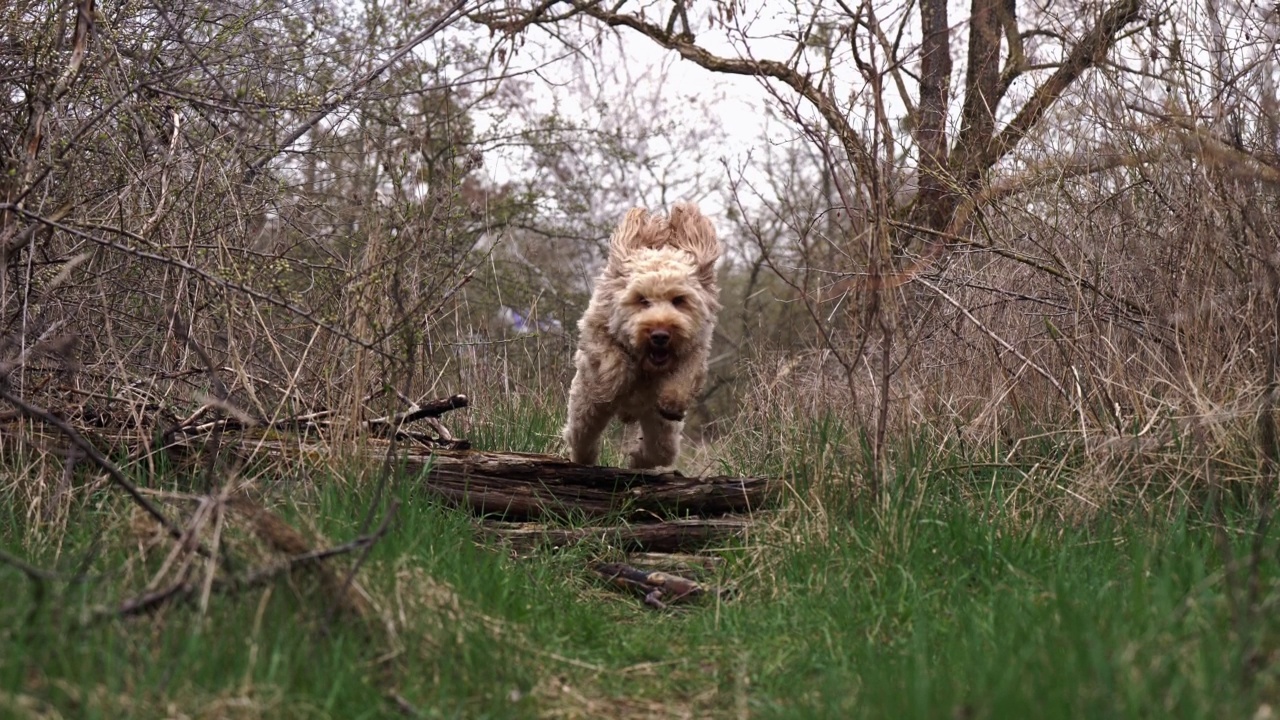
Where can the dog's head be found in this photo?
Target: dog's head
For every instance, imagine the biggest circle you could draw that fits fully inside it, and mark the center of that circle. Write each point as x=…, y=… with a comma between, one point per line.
x=668, y=296
x=687, y=230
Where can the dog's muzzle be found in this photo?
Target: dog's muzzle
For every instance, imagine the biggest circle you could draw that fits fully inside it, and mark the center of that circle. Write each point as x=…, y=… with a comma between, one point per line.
x=659, y=353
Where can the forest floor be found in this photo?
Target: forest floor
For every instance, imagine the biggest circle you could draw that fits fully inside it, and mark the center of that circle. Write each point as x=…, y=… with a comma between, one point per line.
x=948, y=600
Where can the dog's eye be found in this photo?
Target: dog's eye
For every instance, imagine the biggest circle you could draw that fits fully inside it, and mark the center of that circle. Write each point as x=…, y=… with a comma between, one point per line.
x=678, y=301
x=644, y=302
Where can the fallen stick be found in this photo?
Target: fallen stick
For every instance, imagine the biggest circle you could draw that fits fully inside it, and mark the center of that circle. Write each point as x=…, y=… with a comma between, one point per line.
x=281, y=537
x=150, y=602
x=433, y=409
x=95, y=456
x=319, y=420
x=657, y=588
x=690, y=565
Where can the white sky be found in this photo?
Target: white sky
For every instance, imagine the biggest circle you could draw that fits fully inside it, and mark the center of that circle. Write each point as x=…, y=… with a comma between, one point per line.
x=647, y=82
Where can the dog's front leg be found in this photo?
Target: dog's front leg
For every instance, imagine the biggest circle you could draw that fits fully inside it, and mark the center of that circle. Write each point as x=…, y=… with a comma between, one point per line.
x=587, y=421
x=659, y=444
x=681, y=388
x=592, y=399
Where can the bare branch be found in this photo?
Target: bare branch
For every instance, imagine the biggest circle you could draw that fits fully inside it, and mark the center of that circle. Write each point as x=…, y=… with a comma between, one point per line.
x=451, y=15
x=834, y=116
x=1088, y=52
x=210, y=277
x=1001, y=341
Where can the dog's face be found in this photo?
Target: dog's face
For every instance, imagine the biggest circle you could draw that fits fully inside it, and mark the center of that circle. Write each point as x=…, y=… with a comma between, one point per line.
x=662, y=308
x=661, y=285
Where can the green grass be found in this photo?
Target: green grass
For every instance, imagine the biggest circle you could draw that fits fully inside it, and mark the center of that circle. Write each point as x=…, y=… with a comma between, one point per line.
x=940, y=605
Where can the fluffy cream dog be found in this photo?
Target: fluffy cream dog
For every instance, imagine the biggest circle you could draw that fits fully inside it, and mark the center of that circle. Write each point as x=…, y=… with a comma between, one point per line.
x=646, y=335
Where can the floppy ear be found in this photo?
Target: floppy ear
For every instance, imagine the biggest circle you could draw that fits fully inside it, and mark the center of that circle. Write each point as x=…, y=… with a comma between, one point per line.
x=692, y=231
x=637, y=230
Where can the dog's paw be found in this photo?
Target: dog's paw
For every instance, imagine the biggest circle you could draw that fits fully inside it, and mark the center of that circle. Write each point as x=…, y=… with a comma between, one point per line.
x=672, y=415
x=671, y=410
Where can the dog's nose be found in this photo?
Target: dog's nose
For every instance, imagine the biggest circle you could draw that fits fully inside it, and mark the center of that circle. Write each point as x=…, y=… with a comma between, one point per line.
x=659, y=338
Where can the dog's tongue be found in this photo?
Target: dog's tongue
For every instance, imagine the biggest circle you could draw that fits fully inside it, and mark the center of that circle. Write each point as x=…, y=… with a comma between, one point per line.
x=659, y=355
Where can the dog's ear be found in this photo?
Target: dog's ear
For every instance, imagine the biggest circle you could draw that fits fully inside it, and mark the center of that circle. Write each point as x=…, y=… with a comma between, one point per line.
x=637, y=230
x=692, y=231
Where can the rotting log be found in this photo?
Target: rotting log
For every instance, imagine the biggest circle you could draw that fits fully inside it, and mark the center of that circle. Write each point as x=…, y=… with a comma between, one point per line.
x=680, y=535
x=528, y=486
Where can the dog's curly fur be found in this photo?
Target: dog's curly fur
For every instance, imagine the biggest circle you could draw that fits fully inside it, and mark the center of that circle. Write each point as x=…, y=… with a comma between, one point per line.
x=646, y=335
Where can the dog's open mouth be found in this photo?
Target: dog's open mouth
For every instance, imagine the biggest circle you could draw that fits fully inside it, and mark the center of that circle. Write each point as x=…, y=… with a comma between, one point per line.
x=659, y=357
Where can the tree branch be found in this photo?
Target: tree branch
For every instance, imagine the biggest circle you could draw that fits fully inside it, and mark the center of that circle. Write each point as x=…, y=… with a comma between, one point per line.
x=451, y=15
x=1016, y=62
x=14, y=244
x=999, y=340
x=683, y=44
x=1087, y=53
x=201, y=273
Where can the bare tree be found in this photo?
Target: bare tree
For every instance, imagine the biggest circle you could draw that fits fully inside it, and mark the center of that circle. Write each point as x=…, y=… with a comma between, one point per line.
x=845, y=63
x=238, y=207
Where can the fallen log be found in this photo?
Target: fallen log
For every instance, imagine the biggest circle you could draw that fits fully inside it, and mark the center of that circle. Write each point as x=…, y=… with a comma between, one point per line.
x=682, y=535
x=528, y=486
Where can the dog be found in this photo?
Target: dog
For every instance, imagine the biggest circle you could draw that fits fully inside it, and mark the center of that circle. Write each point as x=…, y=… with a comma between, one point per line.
x=645, y=337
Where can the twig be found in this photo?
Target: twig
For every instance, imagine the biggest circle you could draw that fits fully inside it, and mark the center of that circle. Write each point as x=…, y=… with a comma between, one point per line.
x=1003, y=343
x=214, y=442
x=451, y=15
x=152, y=601
x=149, y=602
x=652, y=586
x=15, y=243
x=262, y=575
x=1136, y=312
x=404, y=706
x=36, y=574
x=366, y=548
x=198, y=272
x=857, y=150
x=433, y=409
